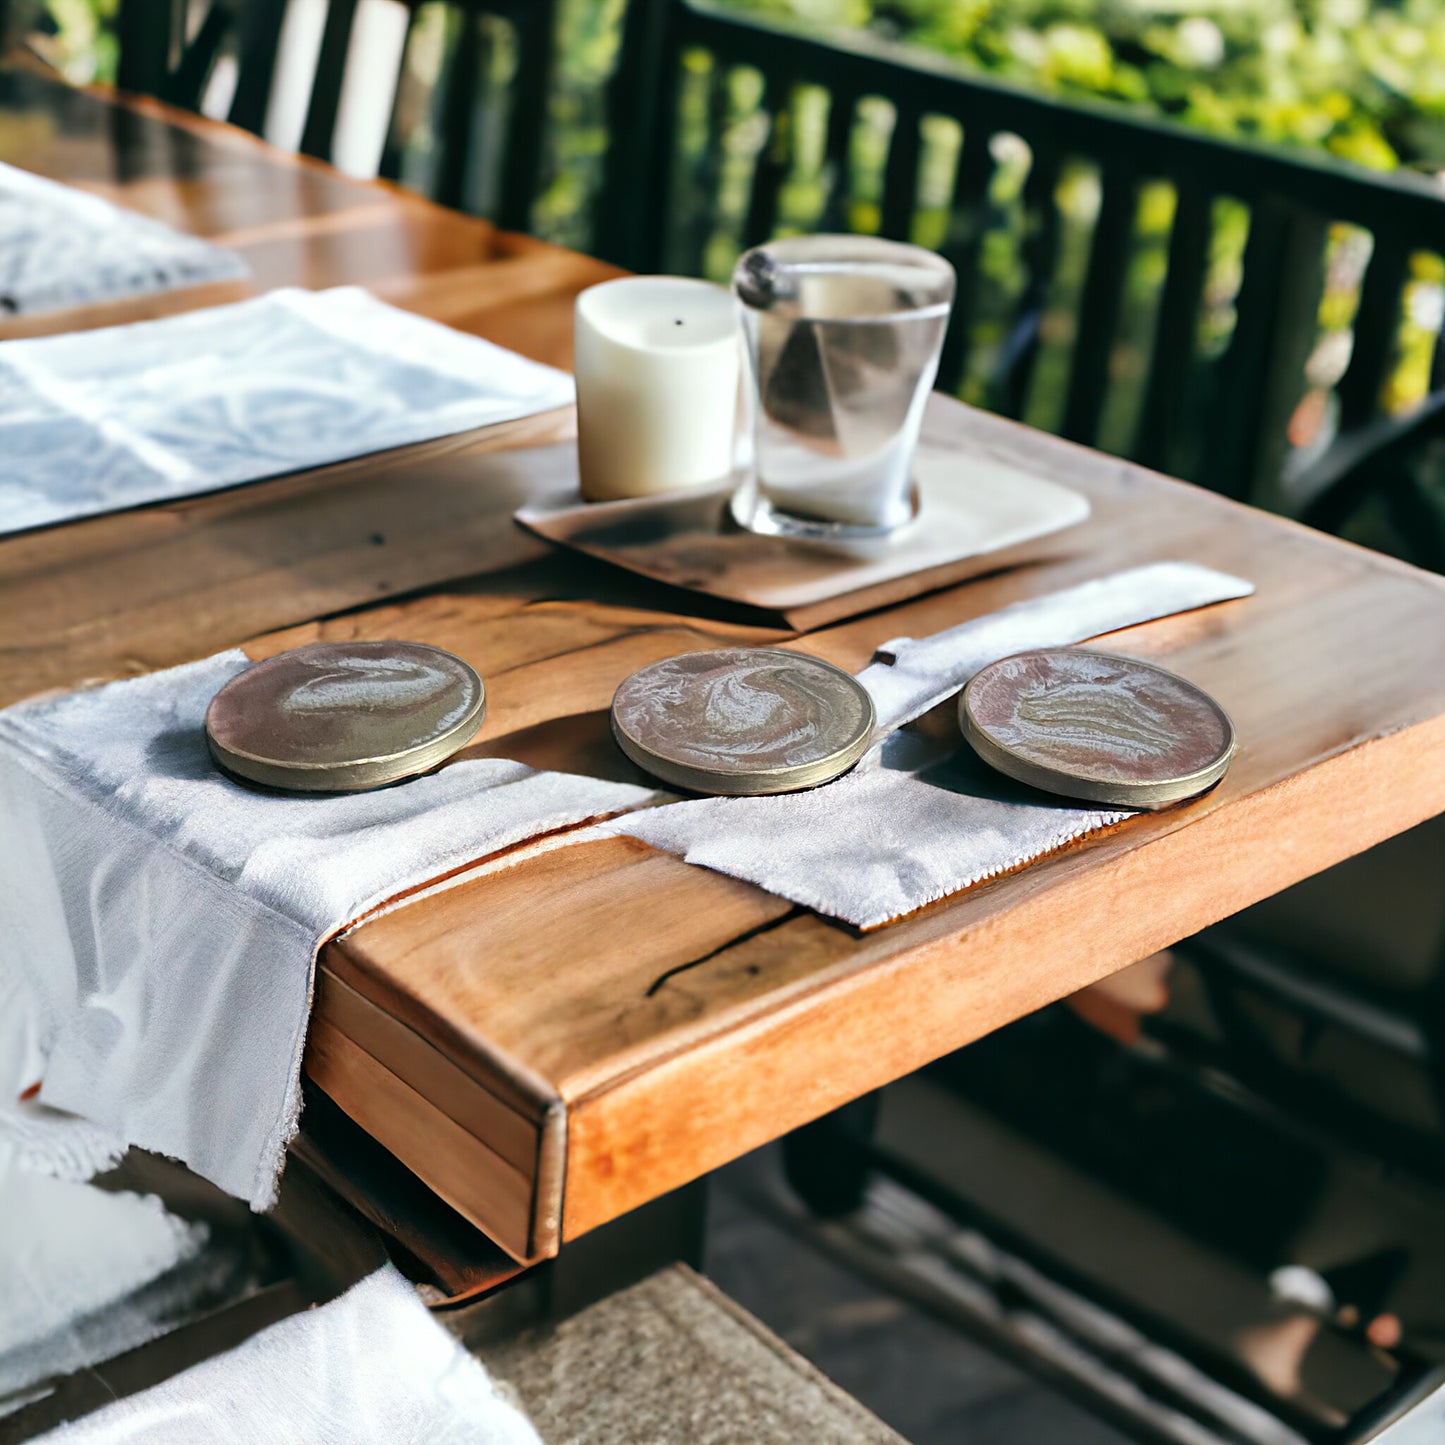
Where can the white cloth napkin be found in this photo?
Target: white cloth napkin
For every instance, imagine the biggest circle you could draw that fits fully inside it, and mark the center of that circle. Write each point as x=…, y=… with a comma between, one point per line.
x=62, y=247
x=370, y=1368
x=912, y=675
x=121, y=417
x=70, y=1248
x=160, y=922
x=917, y=820
x=89, y=1274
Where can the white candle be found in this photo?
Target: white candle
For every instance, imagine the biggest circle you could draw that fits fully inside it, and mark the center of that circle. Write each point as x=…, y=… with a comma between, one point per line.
x=657, y=361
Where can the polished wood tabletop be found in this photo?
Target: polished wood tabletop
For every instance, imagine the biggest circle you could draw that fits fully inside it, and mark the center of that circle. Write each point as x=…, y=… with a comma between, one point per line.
x=566, y=1032
x=177, y=581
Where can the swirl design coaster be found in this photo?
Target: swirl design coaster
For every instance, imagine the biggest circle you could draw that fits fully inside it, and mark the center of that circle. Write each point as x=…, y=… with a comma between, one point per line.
x=336, y=717
x=1097, y=726
x=743, y=720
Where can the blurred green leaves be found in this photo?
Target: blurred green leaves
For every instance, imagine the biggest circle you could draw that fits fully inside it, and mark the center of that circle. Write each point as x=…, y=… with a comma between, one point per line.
x=86, y=45
x=1364, y=81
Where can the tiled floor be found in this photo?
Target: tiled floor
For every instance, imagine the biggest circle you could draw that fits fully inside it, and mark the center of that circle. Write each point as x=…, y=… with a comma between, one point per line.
x=932, y=1384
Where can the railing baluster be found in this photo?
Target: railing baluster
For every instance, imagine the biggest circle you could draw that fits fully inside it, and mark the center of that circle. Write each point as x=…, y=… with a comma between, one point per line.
x=139, y=26
x=535, y=26
x=187, y=84
x=1244, y=367
x=1177, y=330
x=771, y=167
x=842, y=114
x=963, y=247
x=1109, y=254
x=683, y=248
x=260, y=36
x=900, y=177
x=1040, y=253
x=320, y=125
x=1261, y=372
x=637, y=178
x=394, y=145
x=1377, y=328
x=460, y=74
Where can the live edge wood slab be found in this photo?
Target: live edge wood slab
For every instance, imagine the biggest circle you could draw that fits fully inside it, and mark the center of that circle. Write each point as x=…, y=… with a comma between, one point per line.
x=570, y=1031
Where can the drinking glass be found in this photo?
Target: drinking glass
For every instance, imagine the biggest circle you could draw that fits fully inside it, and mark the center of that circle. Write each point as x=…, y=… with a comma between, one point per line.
x=843, y=337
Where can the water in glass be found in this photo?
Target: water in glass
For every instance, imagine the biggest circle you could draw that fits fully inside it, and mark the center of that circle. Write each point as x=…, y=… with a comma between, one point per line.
x=844, y=335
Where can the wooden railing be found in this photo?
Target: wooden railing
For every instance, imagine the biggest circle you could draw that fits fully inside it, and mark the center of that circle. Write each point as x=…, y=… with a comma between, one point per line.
x=158, y=58
x=1198, y=370
x=1221, y=419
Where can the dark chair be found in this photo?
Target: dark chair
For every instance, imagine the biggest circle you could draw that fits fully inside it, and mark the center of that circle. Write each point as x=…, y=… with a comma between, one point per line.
x=1217, y=419
x=1385, y=485
x=161, y=54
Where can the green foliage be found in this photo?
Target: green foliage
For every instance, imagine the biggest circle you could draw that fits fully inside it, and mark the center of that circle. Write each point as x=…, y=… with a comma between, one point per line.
x=1364, y=81
x=588, y=33
x=86, y=47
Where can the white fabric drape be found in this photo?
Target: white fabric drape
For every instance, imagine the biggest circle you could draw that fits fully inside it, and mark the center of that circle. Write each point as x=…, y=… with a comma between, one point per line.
x=160, y=921
x=80, y=1268
x=369, y=1368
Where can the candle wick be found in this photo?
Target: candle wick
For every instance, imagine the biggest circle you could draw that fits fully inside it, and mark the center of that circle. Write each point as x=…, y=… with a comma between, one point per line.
x=678, y=321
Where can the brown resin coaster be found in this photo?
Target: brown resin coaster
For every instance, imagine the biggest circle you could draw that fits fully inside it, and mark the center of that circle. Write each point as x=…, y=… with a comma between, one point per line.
x=743, y=720
x=971, y=509
x=337, y=717
x=1097, y=726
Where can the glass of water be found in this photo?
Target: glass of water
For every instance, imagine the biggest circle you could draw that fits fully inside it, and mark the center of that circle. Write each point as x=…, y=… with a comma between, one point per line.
x=843, y=335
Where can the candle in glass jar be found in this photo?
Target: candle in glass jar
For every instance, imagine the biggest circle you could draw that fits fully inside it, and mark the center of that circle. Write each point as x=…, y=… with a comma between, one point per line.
x=657, y=366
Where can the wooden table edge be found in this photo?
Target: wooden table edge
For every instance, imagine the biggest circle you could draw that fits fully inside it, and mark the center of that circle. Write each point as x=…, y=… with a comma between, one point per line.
x=518, y=1209
x=584, y=1177
x=603, y=1177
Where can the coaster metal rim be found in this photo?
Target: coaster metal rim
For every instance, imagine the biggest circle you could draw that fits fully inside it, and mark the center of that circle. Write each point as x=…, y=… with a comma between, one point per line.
x=759, y=782
x=363, y=773
x=1092, y=788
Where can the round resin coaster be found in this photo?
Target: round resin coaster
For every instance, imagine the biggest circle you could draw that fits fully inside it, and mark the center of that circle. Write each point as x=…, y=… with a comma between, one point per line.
x=338, y=717
x=1096, y=726
x=743, y=720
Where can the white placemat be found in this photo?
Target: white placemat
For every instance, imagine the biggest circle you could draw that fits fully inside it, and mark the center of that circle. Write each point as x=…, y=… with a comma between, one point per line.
x=130, y=415
x=918, y=820
x=161, y=921
x=63, y=247
x=370, y=1368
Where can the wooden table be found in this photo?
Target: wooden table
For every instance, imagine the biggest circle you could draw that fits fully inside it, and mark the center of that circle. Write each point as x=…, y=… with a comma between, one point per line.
x=572, y=1031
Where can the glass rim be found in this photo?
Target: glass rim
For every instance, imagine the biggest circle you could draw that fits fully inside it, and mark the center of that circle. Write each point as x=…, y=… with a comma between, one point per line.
x=865, y=248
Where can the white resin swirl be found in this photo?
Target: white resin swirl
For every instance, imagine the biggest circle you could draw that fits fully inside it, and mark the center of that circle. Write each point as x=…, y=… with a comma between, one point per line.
x=742, y=710
x=1089, y=714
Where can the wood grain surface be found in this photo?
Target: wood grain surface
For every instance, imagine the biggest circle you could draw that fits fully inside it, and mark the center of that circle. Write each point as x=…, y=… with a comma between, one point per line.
x=682, y=1017
x=569, y=1031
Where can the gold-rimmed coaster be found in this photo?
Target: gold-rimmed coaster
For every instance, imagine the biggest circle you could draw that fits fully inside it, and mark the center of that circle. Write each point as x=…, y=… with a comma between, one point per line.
x=339, y=717
x=1097, y=726
x=743, y=720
